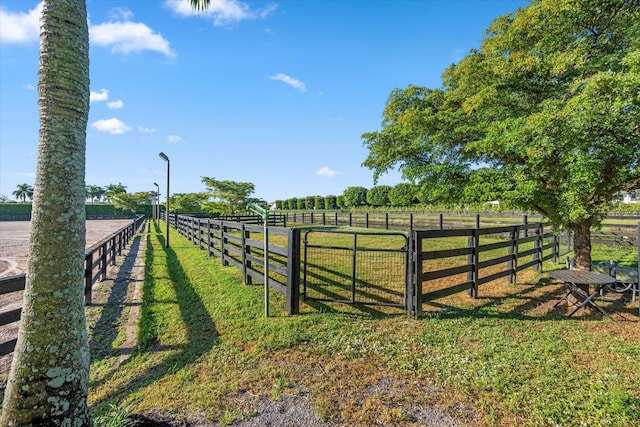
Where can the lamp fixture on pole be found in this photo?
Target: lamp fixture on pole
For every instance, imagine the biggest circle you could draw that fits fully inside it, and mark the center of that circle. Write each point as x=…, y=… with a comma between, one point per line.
x=156, y=206
x=166, y=215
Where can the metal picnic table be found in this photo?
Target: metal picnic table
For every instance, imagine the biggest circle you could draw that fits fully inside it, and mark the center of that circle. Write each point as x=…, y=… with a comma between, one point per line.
x=576, y=281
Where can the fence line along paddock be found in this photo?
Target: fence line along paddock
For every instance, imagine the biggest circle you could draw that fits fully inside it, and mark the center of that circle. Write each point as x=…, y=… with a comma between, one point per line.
x=613, y=231
x=466, y=259
x=516, y=247
x=240, y=245
x=97, y=259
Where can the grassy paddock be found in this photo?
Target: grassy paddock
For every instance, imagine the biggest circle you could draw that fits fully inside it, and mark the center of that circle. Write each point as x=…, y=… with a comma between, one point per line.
x=504, y=359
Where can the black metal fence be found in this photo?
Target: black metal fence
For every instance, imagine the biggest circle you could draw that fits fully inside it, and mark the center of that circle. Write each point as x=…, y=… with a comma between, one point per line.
x=346, y=266
x=97, y=259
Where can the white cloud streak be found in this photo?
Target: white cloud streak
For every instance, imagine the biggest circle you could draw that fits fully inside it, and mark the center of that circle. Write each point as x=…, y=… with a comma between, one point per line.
x=174, y=138
x=129, y=37
x=143, y=129
x=115, y=105
x=222, y=12
x=120, y=35
x=295, y=83
x=20, y=27
x=326, y=171
x=103, y=95
x=120, y=14
x=112, y=126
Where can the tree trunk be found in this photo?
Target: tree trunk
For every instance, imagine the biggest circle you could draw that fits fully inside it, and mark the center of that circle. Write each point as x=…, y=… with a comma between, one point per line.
x=582, y=245
x=49, y=375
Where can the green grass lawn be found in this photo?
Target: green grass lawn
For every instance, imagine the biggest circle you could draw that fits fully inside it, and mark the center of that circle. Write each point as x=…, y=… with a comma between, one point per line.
x=507, y=358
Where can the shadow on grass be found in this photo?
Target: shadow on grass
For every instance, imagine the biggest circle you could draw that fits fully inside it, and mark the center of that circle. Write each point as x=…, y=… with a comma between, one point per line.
x=532, y=297
x=103, y=333
x=201, y=337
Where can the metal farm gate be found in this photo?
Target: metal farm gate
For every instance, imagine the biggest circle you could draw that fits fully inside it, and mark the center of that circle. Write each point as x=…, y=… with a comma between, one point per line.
x=355, y=267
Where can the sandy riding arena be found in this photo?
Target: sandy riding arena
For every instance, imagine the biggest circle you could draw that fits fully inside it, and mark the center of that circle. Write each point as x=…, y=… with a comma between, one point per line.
x=14, y=248
x=14, y=241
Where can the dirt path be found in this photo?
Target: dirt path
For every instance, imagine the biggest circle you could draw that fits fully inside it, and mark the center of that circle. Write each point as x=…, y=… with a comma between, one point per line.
x=116, y=301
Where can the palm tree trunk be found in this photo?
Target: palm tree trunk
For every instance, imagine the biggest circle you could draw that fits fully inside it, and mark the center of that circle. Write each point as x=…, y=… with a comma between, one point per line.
x=50, y=371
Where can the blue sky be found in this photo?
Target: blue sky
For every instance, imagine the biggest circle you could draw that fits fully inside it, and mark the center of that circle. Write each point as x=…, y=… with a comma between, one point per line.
x=274, y=93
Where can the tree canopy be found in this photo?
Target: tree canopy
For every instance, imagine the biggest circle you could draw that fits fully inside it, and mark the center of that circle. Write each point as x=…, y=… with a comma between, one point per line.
x=23, y=191
x=545, y=115
x=355, y=196
x=229, y=197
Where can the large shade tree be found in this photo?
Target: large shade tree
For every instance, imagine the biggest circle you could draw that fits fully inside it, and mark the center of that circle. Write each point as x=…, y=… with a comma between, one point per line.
x=229, y=197
x=546, y=114
x=49, y=377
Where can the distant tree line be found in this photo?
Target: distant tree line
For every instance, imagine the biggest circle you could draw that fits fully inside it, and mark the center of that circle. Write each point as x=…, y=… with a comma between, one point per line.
x=400, y=195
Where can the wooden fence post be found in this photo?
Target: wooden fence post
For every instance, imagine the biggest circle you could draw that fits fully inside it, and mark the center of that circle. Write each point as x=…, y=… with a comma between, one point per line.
x=103, y=262
x=441, y=221
x=350, y=219
x=243, y=248
x=411, y=221
x=417, y=276
x=336, y=215
x=293, y=272
x=512, y=264
x=209, y=245
x=537, y=245
x=112, y=249
x=88, y=277
x=366, y=220
x=472, y=260
x=223, y=241
x=386, y=220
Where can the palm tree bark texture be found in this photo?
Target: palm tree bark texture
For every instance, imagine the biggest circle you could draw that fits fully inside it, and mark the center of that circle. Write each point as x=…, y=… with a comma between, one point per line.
x=49, y=376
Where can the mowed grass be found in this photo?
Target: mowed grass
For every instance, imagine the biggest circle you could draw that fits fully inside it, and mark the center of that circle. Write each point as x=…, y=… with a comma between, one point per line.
x=507, y=358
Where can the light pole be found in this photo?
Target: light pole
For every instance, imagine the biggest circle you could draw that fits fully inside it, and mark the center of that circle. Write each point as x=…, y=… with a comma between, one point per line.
x=156, y=207
x=166, y=215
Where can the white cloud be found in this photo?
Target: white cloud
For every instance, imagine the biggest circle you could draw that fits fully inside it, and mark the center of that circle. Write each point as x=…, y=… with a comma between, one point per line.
x=20, y=28
x=113, y=126
x=120, y=35
x=143, y=129
x=295, y=83
x=222, y=12
x=115, y=105
x=326, y=171
x=129, y=37
x=103, y=95
x=174, y=138
x=120, y=14
x=29, y=86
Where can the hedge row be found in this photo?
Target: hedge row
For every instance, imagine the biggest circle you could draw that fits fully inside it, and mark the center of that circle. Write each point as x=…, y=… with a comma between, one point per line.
x=92, y=210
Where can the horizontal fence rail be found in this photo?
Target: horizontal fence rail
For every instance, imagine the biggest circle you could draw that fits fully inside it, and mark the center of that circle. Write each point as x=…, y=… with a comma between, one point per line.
x=241, y=245
x=97, y=259
x=618, y=233
x=473, y=257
